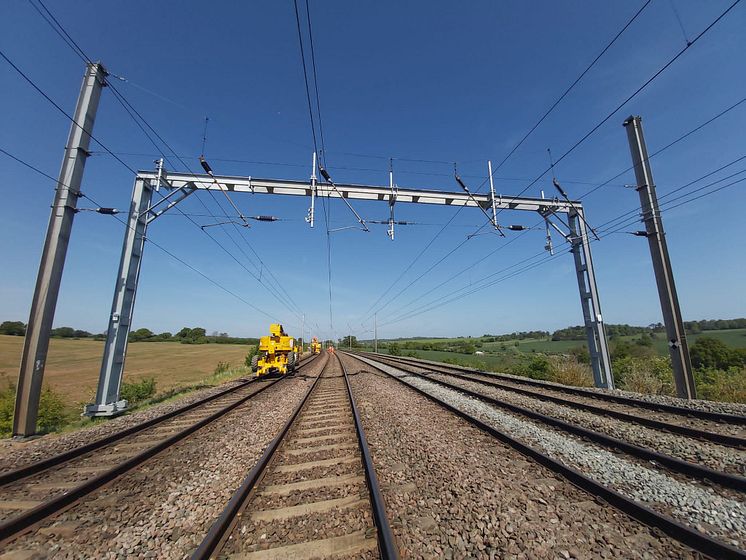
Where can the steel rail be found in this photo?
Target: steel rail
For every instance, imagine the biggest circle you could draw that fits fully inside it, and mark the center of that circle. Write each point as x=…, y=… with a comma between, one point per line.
x=673, y=409
x=221, y=529
x=13, y=527
x=25, y=471
x=732, y=481
x=386, y=542
x=723, y=439
x=704, y=544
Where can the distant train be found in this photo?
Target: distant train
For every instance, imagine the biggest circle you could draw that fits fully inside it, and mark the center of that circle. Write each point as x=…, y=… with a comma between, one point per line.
x=315, y=346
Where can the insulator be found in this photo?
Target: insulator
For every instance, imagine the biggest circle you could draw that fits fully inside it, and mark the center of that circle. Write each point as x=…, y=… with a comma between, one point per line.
x=517, y=228
x=205, y=165
x=559, y=188
x=265, y=218
x=325, y=174
x=640, y=233
x=110, y=211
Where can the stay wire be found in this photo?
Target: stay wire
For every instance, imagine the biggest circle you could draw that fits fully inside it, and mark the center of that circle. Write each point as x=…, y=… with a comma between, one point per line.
x=468, y=290
x=631, y=96
x=305, y=76
x=63, y=112
x=512, y=151
x=148, y=239
x=60, y=30
x=130, y=110
x=315, y=143
x=586, y=194
x=602, y=230
x=316, y=83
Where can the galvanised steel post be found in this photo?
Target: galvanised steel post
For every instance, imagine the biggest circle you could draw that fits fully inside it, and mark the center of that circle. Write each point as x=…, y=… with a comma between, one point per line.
x=142, y=212
x=598, y=348
x=112, y=366
x=677, y=345
x=36, y=344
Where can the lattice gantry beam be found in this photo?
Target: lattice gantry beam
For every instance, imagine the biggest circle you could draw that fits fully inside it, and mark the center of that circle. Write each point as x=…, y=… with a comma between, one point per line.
x=360, y=192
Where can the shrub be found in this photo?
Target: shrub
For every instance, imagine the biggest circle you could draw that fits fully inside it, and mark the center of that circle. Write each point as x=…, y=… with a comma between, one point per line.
x=138, y=391
x=651, y=375
x=569, y=371
x=222, y=367
x=708, y=352
x=581, y=354
x=722, y=385
x=252, y=352
x=53, y=414
x=7, y=405
x=14, y=328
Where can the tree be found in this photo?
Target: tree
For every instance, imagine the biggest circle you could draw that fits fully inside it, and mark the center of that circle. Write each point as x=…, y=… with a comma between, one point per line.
x=708, y=352
x=345, y=342
x=183, y=333
x=140, y=334
x=13, y=328
x=63, y=332
x=197, y=332
x=394, y=349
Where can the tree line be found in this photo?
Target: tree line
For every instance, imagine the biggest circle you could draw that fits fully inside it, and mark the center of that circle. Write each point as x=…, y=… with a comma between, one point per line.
x=187, y=335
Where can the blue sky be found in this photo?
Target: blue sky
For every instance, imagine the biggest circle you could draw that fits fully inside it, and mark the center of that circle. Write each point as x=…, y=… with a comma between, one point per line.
x=425, y=83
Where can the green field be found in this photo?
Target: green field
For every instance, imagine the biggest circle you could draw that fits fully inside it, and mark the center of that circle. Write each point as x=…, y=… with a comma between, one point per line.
x=735, y=338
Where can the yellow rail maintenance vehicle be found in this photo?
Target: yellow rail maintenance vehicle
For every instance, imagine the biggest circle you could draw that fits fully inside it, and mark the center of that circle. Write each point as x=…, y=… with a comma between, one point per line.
x=315, y=346
x=277, y=353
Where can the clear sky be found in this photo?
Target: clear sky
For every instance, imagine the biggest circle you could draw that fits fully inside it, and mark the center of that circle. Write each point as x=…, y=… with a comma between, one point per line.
x=426, y=83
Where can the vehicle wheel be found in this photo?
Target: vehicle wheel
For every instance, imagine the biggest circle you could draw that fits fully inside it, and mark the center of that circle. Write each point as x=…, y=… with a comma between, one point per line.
x=291, y=362
x=254, y=362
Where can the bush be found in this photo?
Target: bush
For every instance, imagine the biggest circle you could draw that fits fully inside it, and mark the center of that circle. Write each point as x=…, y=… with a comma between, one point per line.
x=722, y=385
x=7, y=405
x=138, y=391
x=569, y=371
x=222, y=367
x=708, y=353
x=53, y=414
x=252, y=352
x=651, y=375
x=14, y=328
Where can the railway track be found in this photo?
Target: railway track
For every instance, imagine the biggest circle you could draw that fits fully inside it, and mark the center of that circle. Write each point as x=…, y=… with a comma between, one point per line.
x=40, y=490
x=314, y=492
x=715, y=427
x=478, y=410
x=687, y=468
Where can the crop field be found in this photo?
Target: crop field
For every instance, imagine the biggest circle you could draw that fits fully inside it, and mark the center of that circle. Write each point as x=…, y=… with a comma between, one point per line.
x=73, y=365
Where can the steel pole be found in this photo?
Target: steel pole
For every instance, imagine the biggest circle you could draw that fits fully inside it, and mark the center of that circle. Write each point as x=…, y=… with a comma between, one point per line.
x=36, y=344
x=375, y=333
x=651, y=215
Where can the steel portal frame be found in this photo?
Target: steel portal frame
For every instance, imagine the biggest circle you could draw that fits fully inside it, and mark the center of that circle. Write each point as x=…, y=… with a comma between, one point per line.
x=180, y=185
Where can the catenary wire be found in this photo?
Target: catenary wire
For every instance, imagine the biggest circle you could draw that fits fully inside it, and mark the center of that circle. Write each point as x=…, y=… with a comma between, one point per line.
x=148, y=239
x=501, y=163
x=76, y=48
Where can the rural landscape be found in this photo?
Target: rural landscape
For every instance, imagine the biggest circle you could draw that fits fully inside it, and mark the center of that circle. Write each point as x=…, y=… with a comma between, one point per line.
x=379, y=281
x=160, y=366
